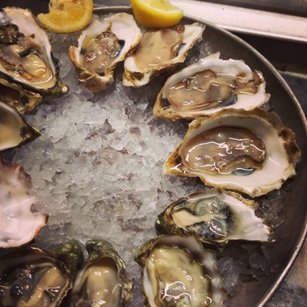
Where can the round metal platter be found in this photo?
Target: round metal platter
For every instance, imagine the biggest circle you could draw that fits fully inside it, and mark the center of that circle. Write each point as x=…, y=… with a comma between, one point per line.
x=290, y=234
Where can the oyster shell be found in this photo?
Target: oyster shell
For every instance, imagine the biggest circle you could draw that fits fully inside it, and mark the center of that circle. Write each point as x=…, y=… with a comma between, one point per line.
x=14, y=130
x=101, y=46
x=214, y=216
x=208, y=86
x=101, y=281
x=14, y=95
x=18, y=224
x=248, y=151
x=158, y=51
x=26, y=54
x=178, y=271
x=33, y=277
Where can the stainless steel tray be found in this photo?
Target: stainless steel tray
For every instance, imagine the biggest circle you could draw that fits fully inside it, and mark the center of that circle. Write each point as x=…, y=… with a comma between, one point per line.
x=291, y=232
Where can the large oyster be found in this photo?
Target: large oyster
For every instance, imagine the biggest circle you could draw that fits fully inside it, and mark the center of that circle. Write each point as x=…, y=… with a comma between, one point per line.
x=158, y=51
x=33, y=277
x=101, y=46
x=248, y=151
x=178, y=271
x=214, y=216
x=208, y=86
x=26, y=53
x=18, y=224
x=14, y=130
x=102, y=279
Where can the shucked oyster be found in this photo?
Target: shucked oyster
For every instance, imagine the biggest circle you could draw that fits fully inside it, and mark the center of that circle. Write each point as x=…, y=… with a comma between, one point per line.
x=158, y=51
x=26, y=55
x=18, y=224
x=14, y=130
x=101, y=46
x=248, y=151
x=178, y=271
x=14, y=95
x=208, y=86
x=214, y=216
x=33, y=277
x=101, y=281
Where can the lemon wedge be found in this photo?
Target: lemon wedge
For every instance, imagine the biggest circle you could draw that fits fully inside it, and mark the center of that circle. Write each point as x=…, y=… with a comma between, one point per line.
x=66, y=16
x=156, y=13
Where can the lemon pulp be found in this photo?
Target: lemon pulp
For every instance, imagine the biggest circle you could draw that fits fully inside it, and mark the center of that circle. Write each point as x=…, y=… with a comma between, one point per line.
x=66, y=16
x=156, y=13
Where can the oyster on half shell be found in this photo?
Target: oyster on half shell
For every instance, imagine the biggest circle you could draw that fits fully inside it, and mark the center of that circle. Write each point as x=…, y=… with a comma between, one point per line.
x=18, y=224
x=14, y=130
x=178, y=271
x=19, y=98
x=159, y=51
x=209, y=85
x=247, y=151
x=101, y=46
x=26, y=54
x=214, y=216
x=101, y=281
x=35, y=277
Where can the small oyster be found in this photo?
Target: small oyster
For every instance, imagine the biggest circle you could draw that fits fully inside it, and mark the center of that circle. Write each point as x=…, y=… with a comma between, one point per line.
x=214, y=216
x=158, y=51
x=208, y=86
x=248, y=151
x=101, y=46
x=101, y=281
x=26, y=54
x=19, y=98
x=14, y=130
x=18, y=224
x=178, y=271
x=33, y=277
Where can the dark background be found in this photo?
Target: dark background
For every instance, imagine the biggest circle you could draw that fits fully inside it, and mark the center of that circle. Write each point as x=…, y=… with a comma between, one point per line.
x=292, y=7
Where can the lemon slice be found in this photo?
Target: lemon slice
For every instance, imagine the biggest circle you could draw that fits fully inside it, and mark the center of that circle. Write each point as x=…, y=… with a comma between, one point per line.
x=156, y=13
x=66, y=16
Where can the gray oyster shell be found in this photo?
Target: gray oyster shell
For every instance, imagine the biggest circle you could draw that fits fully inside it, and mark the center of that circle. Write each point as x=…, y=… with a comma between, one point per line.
x=19, y=225
x=26, y=54
x=209, y=85
x=214, y=217
x=160, y=50
x=14, y=130
x=178, y=271
x=18, y=97
x=101, y=47
x=245, y=151
x=33, y=277
x=102, y=278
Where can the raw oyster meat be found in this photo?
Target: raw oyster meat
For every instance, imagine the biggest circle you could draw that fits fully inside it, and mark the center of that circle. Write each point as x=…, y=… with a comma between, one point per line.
x=19, y=98
x=247, y=151
x=33, y=277
x=158, y=51
x=178, y=271
x=26, y=53
x=101, y=46
x=18, y=224
x=14, y=130
x=208, y=86
x=214, y=216
x=101, y=281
